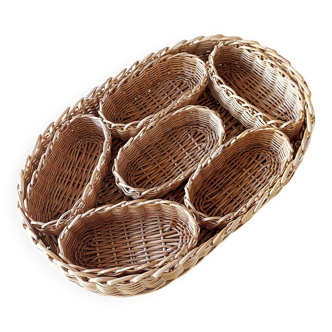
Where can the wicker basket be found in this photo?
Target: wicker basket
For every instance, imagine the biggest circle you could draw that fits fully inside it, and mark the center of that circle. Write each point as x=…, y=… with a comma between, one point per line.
x=166, y=152
x=128, y=237
x=235, y=176
x=76, y=159
x=169, y=82
x=255, y=89
x=143, y=283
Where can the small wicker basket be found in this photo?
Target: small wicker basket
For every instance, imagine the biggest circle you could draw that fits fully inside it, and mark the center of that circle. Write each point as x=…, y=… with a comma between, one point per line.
x=128, y=237
x=69, y=174
x=169, y=82
x=167, y=151
x=236, y=175
x=255, y=89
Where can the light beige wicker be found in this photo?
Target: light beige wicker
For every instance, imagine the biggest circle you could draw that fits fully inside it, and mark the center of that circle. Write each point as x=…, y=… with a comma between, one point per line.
x=227, y=183
x=143, y=283
x=169, y=82
x=128, y=237
x=255, y=89
x=69, y=174
x=166, y=152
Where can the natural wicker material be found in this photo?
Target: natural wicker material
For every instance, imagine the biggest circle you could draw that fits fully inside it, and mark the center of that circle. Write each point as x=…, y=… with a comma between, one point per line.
x=129, y=237
x=166, y=152
x=228, y=182
x=143, y=283
x=110, y=192
x=69, y=174
x=169, y=82
x=255, y=89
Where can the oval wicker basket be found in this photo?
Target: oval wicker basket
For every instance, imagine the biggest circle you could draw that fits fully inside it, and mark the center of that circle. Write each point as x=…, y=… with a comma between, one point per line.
x=128, y=237
x=227, y=183
x=143, y=283
x=169, y=82
x=255, y=89
x=166, y=152
x=69, y=174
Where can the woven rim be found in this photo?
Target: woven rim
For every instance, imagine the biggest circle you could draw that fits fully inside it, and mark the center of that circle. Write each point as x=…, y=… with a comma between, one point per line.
x=139, y=97
x=144, y=283
x=211, y=192
x=154, y=233
x=271, y=75
x=52, y=170
x=137, y=167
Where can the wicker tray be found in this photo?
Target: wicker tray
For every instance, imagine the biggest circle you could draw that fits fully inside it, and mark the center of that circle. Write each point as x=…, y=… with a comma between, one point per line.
x=229, y=181
x=255, y=89
x=76, y=159
x=128, y=237
x=166, y=83
x=167, y=151
x=141, y=283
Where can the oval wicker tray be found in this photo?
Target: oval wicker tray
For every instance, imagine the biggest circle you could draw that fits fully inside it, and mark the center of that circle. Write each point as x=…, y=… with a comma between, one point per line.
x=128, y=237
x=169, y=82
x=142, y=283
x=255, y=89
x=69, y=174
x=228, y=182
x=167, y=151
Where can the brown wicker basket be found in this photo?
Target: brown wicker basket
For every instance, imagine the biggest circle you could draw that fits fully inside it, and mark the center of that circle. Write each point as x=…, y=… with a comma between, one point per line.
x=143, y=283
x=166, y=152
x=236, y=175
x=69, y=174
x=169, y=82
x=128, y=237
x=255, y=89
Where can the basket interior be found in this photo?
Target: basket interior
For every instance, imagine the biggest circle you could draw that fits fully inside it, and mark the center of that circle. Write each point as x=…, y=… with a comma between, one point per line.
x=238, y=173
x=169, y=149
x=67, y=170
x=253, y=77
x=127, y=236
x=153, y=89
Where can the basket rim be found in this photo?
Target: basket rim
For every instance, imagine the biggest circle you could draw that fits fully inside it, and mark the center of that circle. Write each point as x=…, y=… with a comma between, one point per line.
x=122, y=184
x=141, y=67
x=220, y=221
x=280, y=66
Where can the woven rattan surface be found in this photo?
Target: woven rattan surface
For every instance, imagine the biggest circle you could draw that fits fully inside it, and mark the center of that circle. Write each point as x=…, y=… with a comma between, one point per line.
x=169, y=82
x=69, y=174
x=229, y=181
x=255, y=89
x=142, y=283
x=129, y=237
x=167, y=151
